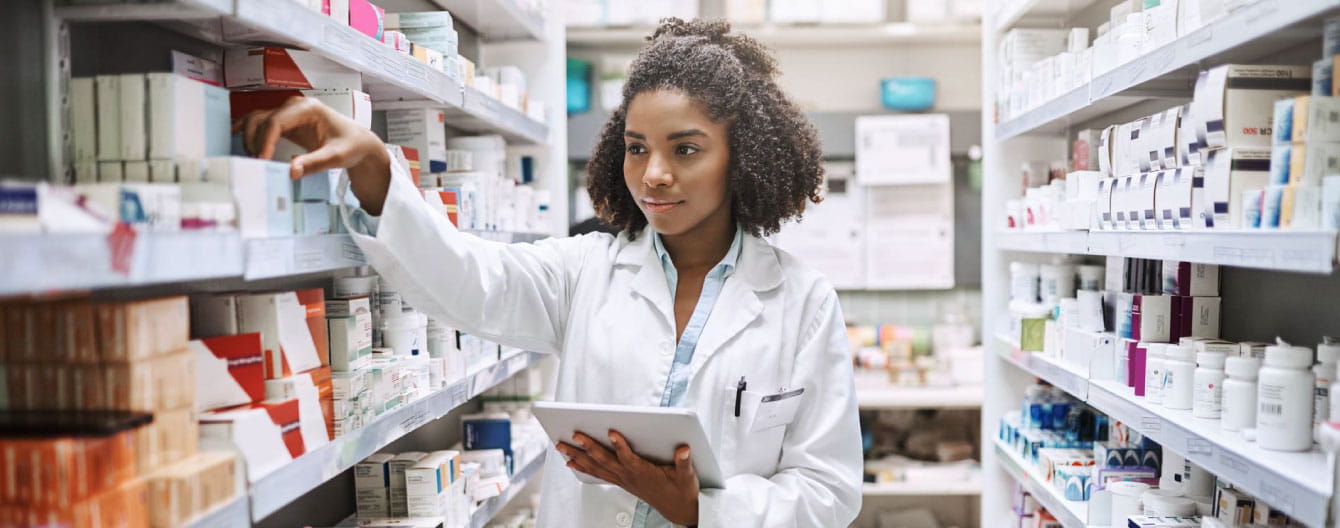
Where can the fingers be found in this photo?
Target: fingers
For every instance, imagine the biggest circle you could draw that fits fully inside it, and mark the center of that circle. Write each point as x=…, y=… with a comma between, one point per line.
x=684, y=463
x=332, y=155
x=295, y=112
x=595, y=450
x=581, y=461
x=623, y=451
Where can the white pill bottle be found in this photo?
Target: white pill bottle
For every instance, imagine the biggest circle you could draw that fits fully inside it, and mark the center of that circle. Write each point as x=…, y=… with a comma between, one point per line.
x=1284, y=399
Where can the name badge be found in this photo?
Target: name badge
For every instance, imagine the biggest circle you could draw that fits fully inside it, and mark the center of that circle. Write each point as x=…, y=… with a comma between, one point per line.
x=777, y=409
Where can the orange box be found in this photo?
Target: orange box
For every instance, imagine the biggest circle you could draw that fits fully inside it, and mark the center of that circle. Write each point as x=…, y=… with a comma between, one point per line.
x=172, y=436
x=285, y=414
x=123, y=506
x=142, y=329
x=182, y=491
x=238, y=358
x=161, y=383
x=63, y=471
x=314, y=301
x=76, y=332
x=325, y=389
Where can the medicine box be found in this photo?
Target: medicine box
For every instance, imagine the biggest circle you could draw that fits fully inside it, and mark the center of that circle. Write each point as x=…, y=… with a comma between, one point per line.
x=257, y=437
x=1311, y=161
x=350, y=328
x=1151, y=318
x=1316, y=118
x=281, y=68
x=281, y=321
x=422, y=129
x=372, y=503
x=108, y=89
x=373, y=472
x=1227, y=174
x=187, y=118
x=1234, y=103
x=84, y=118
x=134, y=116
x=1190, y=279
x=262, y=191
x=228, y=371
x=366, y=18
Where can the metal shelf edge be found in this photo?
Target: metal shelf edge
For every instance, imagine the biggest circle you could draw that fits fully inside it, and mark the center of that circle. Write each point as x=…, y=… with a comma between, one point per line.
x=281, y=487
x=1027, y=477
x=1236, y=29
x=1303, y=251
x=490, y=509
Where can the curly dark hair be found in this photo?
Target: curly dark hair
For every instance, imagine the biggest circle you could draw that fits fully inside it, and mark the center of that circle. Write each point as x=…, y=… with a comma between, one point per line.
x=774, y=151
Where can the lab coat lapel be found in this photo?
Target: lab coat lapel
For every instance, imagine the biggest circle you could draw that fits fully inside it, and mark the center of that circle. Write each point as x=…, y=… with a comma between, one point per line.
x=739, y=305
x=649, y=282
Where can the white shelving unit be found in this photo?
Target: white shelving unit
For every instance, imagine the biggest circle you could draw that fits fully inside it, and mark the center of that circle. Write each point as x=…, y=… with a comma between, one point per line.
x=305, y=473
x=1301, y=484
x=1071, y=514
x=41, y=264
x=62, y=263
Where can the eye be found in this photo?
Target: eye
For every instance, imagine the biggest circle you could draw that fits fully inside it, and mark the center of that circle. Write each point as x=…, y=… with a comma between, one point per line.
x=636, y=148
x=686, y=150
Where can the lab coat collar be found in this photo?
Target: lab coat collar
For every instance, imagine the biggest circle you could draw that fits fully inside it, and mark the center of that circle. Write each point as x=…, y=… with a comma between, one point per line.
x=758, y=266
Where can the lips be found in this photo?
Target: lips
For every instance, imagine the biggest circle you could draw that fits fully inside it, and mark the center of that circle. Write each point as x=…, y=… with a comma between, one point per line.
x=655, y=206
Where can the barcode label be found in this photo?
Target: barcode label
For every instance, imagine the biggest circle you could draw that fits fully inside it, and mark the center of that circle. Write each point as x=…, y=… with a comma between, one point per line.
x=1272, y=408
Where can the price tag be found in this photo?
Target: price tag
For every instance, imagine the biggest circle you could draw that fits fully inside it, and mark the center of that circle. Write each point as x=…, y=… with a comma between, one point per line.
x=1151, y=425
x=350, y=252
x=1199, y=447
x=308, y=260
x=1234, y=466
x=1163, y=58
x=338, y=39
x=1276, y=495
x=415, y=420
x=417, y=74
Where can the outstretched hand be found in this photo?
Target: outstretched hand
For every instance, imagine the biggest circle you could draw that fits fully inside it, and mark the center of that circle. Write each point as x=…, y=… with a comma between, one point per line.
x=333, y=141
x=671, y=489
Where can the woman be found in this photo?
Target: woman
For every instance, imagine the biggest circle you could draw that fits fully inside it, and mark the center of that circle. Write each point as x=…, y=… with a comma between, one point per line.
x=684, y=307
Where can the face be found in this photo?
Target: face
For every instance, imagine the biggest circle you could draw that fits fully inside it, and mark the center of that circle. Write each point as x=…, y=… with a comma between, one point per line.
x=676, y=162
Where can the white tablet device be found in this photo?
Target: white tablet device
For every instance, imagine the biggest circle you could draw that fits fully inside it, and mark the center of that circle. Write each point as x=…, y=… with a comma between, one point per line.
x=652, y=432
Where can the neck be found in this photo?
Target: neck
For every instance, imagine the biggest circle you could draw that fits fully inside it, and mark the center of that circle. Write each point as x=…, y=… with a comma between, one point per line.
x=703, y=246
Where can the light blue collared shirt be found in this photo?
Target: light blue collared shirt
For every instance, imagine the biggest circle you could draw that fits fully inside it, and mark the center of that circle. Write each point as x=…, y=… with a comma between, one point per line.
x=678, y=380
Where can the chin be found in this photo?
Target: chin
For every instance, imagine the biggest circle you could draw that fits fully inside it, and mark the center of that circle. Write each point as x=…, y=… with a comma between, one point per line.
x=666, y=228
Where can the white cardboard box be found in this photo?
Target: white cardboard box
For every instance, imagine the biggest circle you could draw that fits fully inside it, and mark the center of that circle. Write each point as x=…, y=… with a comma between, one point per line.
x=108, y=89
x=134, y=110
x=282, y=322
x=349, y=322
x=422, y=129
x=278, y=68
x=1227, y=174
x=252, y=433
x=187, y=118
x=84, y=118
x=373, y=472
x=1234, y=103
x=263, y=192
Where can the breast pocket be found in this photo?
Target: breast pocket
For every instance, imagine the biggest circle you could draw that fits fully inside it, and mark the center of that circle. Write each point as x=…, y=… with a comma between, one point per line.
x=753, y=439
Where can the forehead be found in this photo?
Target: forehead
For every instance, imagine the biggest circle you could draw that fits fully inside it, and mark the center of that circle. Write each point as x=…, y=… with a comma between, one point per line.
x=669, y=110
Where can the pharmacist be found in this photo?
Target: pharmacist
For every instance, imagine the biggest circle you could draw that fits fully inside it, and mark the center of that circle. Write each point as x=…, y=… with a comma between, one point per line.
x=704, y=157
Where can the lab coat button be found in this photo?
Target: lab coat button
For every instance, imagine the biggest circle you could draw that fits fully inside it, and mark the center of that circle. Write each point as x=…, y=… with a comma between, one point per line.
x=623, y=519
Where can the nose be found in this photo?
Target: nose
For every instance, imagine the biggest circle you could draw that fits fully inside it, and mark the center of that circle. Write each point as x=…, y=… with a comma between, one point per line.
x=657, y=173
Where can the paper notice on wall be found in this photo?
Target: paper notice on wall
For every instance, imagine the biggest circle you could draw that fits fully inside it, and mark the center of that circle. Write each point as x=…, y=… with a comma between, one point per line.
x=830, y=239
x=909, y=238
x=902, y=149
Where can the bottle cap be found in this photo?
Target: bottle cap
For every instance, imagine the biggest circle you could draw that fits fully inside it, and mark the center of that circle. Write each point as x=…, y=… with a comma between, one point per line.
x=1328, y=351
x=1286, y=356
x=1210, y=360
x=1242, y=367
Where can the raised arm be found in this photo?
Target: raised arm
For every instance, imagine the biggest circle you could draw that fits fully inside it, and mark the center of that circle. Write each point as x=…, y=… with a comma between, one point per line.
x=514, y=294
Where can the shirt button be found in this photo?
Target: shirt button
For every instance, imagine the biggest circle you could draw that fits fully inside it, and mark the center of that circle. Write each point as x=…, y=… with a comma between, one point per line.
x=623, y=519
x=667, y=349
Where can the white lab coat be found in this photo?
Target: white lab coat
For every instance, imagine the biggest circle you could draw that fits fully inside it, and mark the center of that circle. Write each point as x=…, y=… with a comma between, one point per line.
x=603, y=305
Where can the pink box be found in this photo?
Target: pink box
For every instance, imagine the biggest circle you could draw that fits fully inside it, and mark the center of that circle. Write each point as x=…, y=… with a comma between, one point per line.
x=368, y=19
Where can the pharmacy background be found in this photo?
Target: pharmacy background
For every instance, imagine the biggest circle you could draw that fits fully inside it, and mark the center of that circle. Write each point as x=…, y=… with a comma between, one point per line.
x=1084, y=255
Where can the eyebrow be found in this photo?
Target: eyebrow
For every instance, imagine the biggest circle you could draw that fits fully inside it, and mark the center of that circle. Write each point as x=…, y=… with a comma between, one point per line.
x=686, y=133
x=676, y=135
